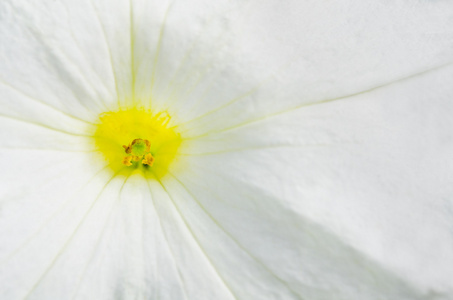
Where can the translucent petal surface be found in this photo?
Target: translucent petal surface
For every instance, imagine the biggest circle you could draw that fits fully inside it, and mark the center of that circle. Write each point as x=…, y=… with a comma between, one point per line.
x=370, y=169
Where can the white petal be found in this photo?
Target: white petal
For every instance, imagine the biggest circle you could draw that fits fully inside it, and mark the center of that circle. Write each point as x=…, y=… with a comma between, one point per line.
x=44, y=196
x=374, y=169
x=49, y=181
x=19, y=110
x=264, y=251
x=146, y=251
x=176, y=44
x=129, y=257
x=55, y=52
x=282, y=56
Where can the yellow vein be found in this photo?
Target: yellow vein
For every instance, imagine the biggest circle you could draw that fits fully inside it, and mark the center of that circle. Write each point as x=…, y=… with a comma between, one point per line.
x=159, y=44
x=257, y=148
x=43, y=103
x=220, y=42
x=52, y=54
x=189, y=228
x=132, y=48
x=98, y=242
x=164, y=235
x=41, y=125
x=108, y=50
x=234, y=240
x=47, y=221
x=79, y=47
x=324, y=101
x=247, y=94
x=70, y=239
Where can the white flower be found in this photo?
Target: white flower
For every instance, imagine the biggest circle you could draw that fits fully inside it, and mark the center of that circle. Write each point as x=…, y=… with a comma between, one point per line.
x=315, y=159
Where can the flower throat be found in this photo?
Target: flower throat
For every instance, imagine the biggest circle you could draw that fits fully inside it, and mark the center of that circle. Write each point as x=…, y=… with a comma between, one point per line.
x=136, y=139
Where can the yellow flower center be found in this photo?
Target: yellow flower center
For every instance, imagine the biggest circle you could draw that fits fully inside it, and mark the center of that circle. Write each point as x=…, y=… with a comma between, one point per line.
x=137, y=139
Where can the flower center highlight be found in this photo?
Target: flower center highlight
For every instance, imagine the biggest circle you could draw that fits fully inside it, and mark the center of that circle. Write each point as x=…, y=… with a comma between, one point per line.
x=136, y=139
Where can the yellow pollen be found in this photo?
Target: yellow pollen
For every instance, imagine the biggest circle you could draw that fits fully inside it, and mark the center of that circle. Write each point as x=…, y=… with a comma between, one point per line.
x=127, y=161
x=127, y=149
x=148, y=160
x=137, y=139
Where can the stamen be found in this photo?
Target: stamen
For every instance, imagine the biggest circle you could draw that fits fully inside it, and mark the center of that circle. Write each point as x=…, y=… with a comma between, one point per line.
x=148, y=160
x=140, y=151
x=128, y=149
x=127, y=161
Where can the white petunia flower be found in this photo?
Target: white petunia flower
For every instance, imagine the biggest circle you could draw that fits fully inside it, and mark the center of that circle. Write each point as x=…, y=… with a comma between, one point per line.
x=226, y=149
